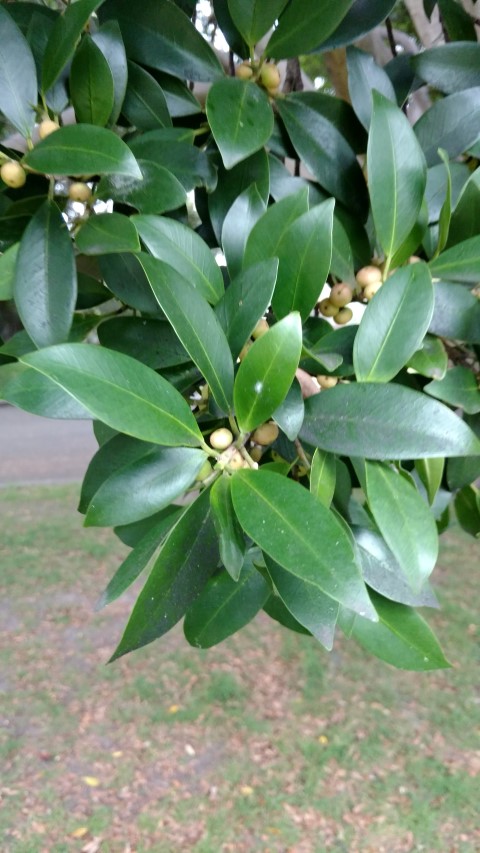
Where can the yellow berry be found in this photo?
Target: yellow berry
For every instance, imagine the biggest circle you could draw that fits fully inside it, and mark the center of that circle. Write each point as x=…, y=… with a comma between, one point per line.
x=260, y=329
x=327, y=381
x=327, y=308
x=13, y=174
x=221, y=438
x=244, y=71
x=47, y=127
x=341, y=294
x=265, y=434
x=371, y=289
x=237, y=461
x=78, y=191
x=270, y=76
x=344, y=316
x=368, y=275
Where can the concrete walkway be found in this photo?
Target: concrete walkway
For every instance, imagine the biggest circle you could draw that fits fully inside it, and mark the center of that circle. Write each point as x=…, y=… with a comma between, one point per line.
x=43, y=450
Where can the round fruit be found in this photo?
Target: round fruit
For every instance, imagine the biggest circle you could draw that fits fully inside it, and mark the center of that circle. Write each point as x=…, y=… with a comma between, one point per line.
x=368, y=275
x=13, y=174
x=221, y=438
x=256, y=453
x=414, y=259
x=237, y=461
x=327, y=381
x=344, y=316
x=260, y=329
x=265, y=434
x=205, y=471
x=78, y=191
x=371, y=290
x=244, y=71
x=341, y=294
x=327, y=308
x=47, y=127
x=270, y=76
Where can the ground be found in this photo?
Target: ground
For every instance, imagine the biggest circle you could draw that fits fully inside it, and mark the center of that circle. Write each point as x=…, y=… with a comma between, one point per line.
x=264, y=744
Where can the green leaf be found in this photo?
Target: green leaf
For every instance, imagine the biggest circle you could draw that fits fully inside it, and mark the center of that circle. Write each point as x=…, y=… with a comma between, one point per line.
x=83, y=149
x=323, y=475
x=404, y=520
x=109, y=39
x=196, y=326
x=324, y=149
x=363, y=16
x=467, y=509
x=365, y=76
x=266, y=372
x=113, y=455
x=231, y=183
x=125, y=277
x=394, y=324
x=459, y=263
x=91, y=84
x=187, y=559
x=458, y=387
x=225, y=606
x=456, y=21
x=396, y=174
x=145, y=105
x=230, y=536
x=180, y=100
x=451, y=123
x=31, y=391
x=158, y=34
x=158, y=191
x=45, y=284
x=132, y=534
x=245, y=211
x=449, y=67
x=300, y=534
x=266, y=236
x=456, y=314
x=185, y=251
x=431, y=359
x=464, y=471
x=152, y=342
x=18, y=76
x=384, y=422
x=446, y=210
x=106, y=233
x=65, y=34
x=289, y=415
x=172, y=149
x=253, y=17
x=430, y=472
x=401, y=637
x=245, y=301
x=302, y=26
x=276, y=609
x=121, y=392
x=8, y=261
x=240, y=118
x=436, y=189
x=465, y=221
x=304, y=252
x=144, y=486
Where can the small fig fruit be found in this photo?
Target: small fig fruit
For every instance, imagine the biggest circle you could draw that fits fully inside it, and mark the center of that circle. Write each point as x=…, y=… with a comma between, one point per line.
x=221, y=438
x=265, y=434
x=46, y=127
x=368, y=275
x=260, y=329
x=13, y=174
x=327, y=308
x=327, y=381
x=341, y=294
x=78, y=191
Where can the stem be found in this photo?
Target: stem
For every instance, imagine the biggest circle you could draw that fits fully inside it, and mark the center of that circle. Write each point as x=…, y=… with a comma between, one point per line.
x=386, y=270
x=391, y=38
x=302, y=455
x=233, y=426
x=243, y=450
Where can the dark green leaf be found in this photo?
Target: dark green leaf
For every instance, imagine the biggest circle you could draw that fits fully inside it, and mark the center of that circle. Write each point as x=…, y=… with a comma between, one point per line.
x=431, y=359
x=145, y=105
x=109, y=39
x=65, y=34
x=299, y=533
x=437, y=187
x=83, y=149
x=120, y=391
x=467, y=508
x=180, y=100
x=23, y=387
x=91, y=84
x=458, y=387
x=450, y=67
x=45, y=284
x=240, y=118
x=446, y=209
x=460, y=262
x=230, y=536
x=465, y=221
x=323, y=476
x=363, y=16
x=132, y=534
x=245, y=301
x=451, y=123
x=191, y=166
x=187, y=559
x=430, y=472
x=254, y=17
x=228, y=28
x=394, y=324
x=125, y=277
x=456, y=20
x=302, y=26
x=157, y=192
x=18, y=76
x=463, y=472
x=8, y=261
x=153, y=342
x=245, y=211
x=289, y=415
x=456, y=314
x=266, y=372
x=106, y=233
x=384, y=422
x=365, y=76
x=233, y=182
x=266, y=236
x=113, y=455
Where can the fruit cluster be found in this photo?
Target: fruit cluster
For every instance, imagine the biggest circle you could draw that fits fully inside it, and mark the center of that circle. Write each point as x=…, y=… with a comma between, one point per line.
x=265, y=74
x=370, y=280
x=335, y=305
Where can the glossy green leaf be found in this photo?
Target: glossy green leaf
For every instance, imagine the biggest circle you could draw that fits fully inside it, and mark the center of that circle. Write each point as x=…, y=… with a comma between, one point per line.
x=230, y=536
x=245, y=211
x=459, y=387
x=125, y=277
x=451, y=123
x=18, y=76
x=172, y=149
x=266, y=372
x=401, y=637
x=396, y=174
x=145, y=105
x=450, y=67
x=158, y=34
x=436, y=189
x=302, y=26
x=45, y=282
x=304, y=252
x=254, y=17
x=276, y=609
x=196, y=326
x=65, y=34
x=404, y=520
x=109, y=39
x=83, y=149
x=362, y=17
x=132, y=534
x=323, y=476
x=431, y=359
x=298, y=532
x=232, y=182
x=385, y=422
x=394, y=324
x=144, y=486
x=456, y=314
x=245, y=301
x=180, y=100
x=119, y=391
x=8, y=261
x=106, y=233
x=152, y=342
x=459, y=263
x=157, y=192
x=456, y=21
x=289, y=415
x=225, y=606
x=465, y=221
x=31, y=391
x=446, y=209
x=306, y=602
x=365, y=76
x=187, y=559
x=91, y=84
x=323, y=149
x=113, y=454
x=240, y=118
x=430, y=472
x=467, y=509
x=266, y=236
x=179, y=246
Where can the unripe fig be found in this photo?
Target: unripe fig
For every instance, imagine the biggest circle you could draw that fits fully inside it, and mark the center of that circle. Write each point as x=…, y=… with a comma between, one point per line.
x=260, y=329
x=78, y=191
x=265, y=434
x=341, y=294
x=270, y=76
x=237, y=461
x=371, y=289
x=344, y=316
x=244, y=71
x=244, y=350
x=256, y=453
x=205, y=471
x=47, y=127
x=13, y=174
x=368, y=275
x=327, y=308
x=221, y=438
x=327, y=381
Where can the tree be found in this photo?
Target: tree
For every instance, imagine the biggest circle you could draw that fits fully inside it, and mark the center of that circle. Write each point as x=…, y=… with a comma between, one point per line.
x=257, y=448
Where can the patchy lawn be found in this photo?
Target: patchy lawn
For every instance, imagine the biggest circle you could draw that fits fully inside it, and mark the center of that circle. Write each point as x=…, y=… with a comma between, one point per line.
x=264, y=744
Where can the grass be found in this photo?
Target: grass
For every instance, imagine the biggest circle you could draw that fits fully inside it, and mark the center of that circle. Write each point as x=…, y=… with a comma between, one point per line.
x=263, y=744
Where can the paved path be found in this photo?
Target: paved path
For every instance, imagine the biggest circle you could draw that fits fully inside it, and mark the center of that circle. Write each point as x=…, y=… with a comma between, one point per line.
x=43, y=450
